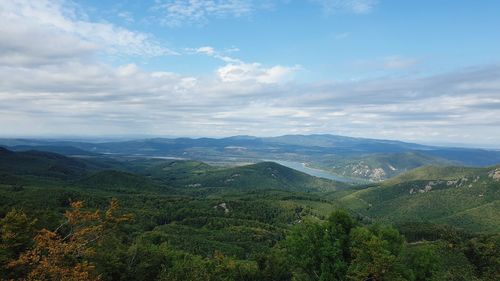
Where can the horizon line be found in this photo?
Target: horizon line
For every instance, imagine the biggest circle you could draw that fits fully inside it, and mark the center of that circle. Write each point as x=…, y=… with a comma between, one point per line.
x=132, y=137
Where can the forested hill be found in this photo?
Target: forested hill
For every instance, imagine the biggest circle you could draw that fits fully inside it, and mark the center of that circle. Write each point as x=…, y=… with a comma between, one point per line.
x=264, y=175
x=40, y=163
x=467, y=198
x=103, y=172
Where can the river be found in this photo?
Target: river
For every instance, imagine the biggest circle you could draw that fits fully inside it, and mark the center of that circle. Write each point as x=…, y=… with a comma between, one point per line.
x=314, y=172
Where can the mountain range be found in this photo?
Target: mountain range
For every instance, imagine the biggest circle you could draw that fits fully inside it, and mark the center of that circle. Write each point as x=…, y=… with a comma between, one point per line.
x=357, y=158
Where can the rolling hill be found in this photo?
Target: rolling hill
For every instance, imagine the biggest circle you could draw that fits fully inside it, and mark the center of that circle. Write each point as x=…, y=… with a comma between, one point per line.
x=39, y=163
x=467, y=198
x=172, y=173
x=263, y=175
x=380, y=166
x=59, y=149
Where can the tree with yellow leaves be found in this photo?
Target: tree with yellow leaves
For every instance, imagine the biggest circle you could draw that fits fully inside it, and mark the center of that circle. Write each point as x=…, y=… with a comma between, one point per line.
x=64, y=254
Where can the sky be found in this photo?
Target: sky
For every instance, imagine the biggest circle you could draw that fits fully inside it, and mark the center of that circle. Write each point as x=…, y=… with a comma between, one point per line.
x=424, y=71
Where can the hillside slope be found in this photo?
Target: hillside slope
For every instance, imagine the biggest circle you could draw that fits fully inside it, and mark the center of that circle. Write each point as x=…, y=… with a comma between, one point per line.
x=264, y=175
x=467, y=198
x=42, y=164
x=102, y=173
x=380, y=166
x=59, y=149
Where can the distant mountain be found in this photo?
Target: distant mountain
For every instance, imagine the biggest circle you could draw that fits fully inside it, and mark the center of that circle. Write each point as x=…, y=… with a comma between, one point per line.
x=346, y=144
x=53, y=165
x=41, y=164
x=380, y=166
x=60, y=149
x=368, y=159
x=467, y=198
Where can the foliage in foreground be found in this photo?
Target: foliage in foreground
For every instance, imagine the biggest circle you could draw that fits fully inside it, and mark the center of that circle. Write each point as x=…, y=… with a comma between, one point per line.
x=62, y=254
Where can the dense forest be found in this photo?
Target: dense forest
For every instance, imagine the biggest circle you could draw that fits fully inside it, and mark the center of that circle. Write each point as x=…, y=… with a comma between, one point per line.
x=103, y=218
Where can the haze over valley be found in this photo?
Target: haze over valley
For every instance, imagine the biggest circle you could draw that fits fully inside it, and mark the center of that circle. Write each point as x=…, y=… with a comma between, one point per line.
x=337, y=157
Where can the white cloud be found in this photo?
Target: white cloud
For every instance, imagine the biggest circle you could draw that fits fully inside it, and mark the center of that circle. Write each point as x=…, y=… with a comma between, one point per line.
x=236, y=70
x=176, y=13
x=127, y=70
x=350, y=6
x=394, y=62
x=343, y=35
x=181, y=12
x=42, y=31
x=212, y=52
x=83, y=98
x=207, y=50
x=398, y=62
x=126, y=16
x=254, y=72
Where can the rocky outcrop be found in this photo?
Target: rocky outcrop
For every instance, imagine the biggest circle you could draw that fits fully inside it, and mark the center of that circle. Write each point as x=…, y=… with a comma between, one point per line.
x=223, y=206
x=495, y=174
x=362, y=170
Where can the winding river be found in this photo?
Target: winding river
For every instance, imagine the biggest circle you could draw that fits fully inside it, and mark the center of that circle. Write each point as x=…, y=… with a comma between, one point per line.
x=302, y=167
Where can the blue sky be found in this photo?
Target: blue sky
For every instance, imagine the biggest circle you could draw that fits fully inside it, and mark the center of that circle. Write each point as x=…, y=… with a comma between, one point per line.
x=424, y=36
x=423, y=71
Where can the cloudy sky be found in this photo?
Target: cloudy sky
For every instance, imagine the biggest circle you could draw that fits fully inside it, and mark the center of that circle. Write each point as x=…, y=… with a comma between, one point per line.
x=424, y=71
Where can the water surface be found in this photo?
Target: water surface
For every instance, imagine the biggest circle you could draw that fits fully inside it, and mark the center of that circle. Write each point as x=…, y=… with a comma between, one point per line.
x=302, y=167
